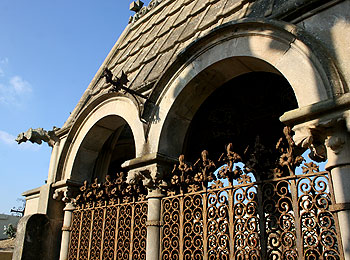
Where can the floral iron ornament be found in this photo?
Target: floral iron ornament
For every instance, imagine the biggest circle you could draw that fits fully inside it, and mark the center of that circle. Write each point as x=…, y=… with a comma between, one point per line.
x=111, y=189
x=263, y=163
x=193, y=177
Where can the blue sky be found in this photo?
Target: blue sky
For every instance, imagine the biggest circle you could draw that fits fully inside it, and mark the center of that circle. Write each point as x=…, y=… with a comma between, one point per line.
x=49, y=53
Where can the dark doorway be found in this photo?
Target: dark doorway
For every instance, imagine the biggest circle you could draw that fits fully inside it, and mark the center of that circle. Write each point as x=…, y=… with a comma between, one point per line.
x=244, y=107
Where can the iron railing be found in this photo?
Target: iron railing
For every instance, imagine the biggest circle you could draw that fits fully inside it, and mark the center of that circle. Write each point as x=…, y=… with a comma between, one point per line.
x=256, y=206
x=109, y=222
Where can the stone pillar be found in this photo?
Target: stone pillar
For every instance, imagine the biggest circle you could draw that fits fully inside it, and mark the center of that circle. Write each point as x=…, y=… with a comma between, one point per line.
x=66, y=230
x=53, y=163
x=338, y=154
x=153, y=224
x=152, y=170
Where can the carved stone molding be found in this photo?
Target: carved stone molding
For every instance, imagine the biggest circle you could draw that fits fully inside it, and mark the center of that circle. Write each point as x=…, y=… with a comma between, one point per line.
x=153, y=223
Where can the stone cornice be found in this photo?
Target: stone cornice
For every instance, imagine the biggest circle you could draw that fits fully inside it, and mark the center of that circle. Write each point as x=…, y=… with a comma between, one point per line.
x=147, y=160
x=327, y=108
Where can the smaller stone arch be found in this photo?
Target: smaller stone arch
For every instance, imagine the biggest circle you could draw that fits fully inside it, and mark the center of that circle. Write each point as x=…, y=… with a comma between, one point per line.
x=91, y=142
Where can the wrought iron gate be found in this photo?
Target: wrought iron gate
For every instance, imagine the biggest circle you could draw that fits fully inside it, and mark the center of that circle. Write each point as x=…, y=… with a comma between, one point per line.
x=260, y=205
x=109, y=222
x=261, y=210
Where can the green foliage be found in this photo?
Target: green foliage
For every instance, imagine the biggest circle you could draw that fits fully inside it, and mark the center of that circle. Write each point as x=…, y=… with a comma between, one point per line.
x=10, y=231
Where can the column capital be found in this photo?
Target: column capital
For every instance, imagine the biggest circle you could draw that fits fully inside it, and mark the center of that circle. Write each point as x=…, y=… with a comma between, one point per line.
x=327, y=139
x=151, y=169
x=155, y=193
x=65, y=191
x=152, y=177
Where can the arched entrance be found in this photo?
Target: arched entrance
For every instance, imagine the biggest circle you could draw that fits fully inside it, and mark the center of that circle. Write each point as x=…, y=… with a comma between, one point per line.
x=109, y=216
x=236, y=192
x=237, y=112
x=107, y=133
x=105, y=147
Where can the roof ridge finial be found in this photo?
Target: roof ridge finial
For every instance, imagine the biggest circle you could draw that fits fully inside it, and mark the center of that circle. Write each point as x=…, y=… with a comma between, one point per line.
x=136, y=6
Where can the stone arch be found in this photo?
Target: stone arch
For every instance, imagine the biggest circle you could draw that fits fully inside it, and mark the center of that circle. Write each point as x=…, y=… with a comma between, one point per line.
x=227, y=52
x=99, y=126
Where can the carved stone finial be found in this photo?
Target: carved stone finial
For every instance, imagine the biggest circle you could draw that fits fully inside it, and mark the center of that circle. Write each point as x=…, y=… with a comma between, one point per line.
x=136, y=6
x=38, y=136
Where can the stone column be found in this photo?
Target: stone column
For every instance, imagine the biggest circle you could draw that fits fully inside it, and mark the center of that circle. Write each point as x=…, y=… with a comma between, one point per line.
x=151, y=170
x=53, y=163
x=66, y=230
x=153, y=224
x=338, y=154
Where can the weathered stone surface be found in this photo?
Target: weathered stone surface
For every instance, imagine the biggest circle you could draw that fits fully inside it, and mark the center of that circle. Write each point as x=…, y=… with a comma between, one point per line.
x=31, y=240
x=332, y=28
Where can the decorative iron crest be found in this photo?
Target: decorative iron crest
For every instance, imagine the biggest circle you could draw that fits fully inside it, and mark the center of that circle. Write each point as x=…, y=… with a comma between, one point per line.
x=111, y=190
x=262, y=162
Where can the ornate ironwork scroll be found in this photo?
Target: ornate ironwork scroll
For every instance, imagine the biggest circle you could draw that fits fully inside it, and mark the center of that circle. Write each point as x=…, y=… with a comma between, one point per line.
x=254, y=206
x=109, y=221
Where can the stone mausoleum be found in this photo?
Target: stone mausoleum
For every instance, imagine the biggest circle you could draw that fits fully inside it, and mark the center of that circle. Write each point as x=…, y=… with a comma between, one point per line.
x=200, y=138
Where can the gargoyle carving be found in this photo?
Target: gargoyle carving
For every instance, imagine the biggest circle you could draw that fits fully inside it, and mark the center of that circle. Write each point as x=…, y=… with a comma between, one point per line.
x=38, y=136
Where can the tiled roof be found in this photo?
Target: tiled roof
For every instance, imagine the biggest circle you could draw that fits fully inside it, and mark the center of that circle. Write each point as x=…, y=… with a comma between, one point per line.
x=153, y=41
x=159, y=32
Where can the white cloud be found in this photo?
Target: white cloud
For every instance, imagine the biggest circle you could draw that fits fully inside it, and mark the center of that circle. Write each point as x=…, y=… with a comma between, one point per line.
x=9, y=139
x=19, y=85
x=15, y=91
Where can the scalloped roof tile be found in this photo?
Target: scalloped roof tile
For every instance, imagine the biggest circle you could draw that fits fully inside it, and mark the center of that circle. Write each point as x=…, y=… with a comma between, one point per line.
x=158, y=33
x=154, y=36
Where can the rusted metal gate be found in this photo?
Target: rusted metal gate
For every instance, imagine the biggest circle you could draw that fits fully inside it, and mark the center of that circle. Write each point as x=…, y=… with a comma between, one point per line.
x=264, y=209
x=109, y=222
x=261, y=205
